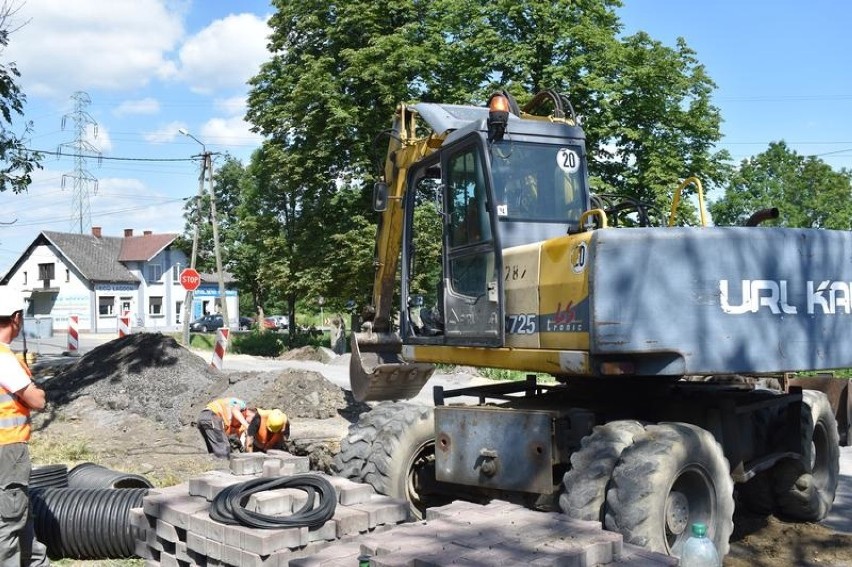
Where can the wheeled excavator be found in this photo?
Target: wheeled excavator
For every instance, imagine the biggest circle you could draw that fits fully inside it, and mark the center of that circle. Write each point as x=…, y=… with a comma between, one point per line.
x=668, y=346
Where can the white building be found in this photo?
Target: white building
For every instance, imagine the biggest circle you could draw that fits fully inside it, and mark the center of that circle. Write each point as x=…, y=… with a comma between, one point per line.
x=99, y=278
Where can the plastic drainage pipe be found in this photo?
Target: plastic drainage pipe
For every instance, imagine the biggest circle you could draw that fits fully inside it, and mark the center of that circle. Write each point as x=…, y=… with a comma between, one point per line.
x=90, y=475
x=87, y=523
x=48, y=476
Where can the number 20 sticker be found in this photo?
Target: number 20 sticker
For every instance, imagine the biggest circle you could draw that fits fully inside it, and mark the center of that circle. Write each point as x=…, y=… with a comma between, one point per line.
x=568, y=160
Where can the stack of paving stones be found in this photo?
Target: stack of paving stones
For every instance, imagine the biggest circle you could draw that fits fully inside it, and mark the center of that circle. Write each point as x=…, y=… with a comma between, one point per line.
x=175, y=529
x=498, y=533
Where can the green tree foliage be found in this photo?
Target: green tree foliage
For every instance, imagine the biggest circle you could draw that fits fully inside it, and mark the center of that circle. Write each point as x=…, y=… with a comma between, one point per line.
x=16, y=161
x=807, y=192
x=337, y=71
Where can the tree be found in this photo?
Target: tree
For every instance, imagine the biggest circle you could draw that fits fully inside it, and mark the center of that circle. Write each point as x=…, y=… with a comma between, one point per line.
x=337, y=71
x=806, y=191
x=16, y=161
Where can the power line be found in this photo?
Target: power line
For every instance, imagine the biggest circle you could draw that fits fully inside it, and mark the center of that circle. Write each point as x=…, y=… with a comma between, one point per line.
x=114, y=158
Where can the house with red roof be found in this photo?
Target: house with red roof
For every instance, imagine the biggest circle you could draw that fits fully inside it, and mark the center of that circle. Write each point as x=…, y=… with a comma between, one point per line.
x=100, y=278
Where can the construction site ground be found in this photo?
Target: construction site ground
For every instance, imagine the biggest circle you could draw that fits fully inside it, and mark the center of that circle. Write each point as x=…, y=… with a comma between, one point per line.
x=129, y=404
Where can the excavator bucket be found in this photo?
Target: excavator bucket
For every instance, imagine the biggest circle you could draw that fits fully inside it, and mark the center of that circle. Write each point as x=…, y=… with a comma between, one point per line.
x=380, y=373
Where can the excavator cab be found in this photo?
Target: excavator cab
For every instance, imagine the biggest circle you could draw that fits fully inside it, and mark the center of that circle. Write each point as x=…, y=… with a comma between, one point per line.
x=463, y=205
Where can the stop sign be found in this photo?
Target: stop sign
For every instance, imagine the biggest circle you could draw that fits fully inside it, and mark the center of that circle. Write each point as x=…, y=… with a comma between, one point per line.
x=189, y=279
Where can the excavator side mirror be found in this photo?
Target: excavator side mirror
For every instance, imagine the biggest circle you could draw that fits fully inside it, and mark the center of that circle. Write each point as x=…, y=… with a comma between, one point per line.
x=380, y=196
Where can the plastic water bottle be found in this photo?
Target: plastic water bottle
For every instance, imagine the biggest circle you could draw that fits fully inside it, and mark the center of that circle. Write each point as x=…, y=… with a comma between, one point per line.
x=699, y=551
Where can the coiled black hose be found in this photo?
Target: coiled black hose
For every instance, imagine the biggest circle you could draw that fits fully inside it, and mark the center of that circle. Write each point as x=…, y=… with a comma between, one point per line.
x=228, y=507
x=80, y=523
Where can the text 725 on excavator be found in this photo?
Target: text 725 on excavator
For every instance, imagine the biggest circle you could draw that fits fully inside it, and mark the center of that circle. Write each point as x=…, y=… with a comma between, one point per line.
x=650, y=425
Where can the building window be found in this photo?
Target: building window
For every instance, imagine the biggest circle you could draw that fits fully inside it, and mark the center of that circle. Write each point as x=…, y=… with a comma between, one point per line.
x=46, y=271
x=106, y=306
x=155, y=272
x=155, y=305
x=176, y=273
x=178, y=311
x=67, y=275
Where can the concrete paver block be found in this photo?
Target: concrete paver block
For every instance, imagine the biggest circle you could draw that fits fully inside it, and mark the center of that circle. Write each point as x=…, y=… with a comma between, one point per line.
x=168, y=532
x=332, y=556
x=274, y=502
x=349, y=492
x=384, y=510
x=174, y=509
x=246, y=463
x=350, y=521
x=326, y=532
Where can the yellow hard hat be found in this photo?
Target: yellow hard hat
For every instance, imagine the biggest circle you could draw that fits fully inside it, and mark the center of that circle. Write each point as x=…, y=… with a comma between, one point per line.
x=276, y=420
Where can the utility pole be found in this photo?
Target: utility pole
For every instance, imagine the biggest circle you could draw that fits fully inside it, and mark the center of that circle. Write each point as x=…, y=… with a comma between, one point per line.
x=216, y=249
x=190, y=295
x=206, y=167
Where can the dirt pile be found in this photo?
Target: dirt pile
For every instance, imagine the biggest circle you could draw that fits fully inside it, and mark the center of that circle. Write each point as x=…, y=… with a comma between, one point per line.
x=148, y=374
x=151, y=375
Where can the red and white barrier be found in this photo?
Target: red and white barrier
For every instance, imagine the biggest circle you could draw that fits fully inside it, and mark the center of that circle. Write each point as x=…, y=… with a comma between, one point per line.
x=220, y=348
x=123, y=326
x=73, y=334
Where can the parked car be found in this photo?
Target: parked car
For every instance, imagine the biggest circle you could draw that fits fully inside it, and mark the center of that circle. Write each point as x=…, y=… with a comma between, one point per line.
x=246, y=323
x=270, y=323
x=281, y=321
x=207, y=323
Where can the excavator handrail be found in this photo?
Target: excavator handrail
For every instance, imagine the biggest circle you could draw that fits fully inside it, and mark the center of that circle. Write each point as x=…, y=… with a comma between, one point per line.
x=600, y=213
x=676, y=200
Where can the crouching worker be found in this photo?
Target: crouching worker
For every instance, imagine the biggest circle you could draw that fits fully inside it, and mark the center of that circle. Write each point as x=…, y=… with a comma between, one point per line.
x=218, y=421
x=267, y=430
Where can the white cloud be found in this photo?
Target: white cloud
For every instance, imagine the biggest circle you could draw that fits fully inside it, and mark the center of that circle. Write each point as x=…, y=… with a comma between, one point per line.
x=93, y=44
x=231, y=131
x=225, y=54
x=167, y=133
x=231, y=106
x=142, y=106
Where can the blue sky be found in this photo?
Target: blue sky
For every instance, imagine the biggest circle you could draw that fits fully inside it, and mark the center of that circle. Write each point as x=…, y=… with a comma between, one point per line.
x=151, y=67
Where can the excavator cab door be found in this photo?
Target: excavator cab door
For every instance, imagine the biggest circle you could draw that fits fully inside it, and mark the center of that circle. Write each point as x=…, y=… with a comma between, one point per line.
x=464, y=302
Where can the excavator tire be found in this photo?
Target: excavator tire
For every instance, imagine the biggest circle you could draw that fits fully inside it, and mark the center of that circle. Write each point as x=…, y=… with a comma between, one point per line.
x=674, y=474
x=585, y=484
x=392, y=448
x=805, y=491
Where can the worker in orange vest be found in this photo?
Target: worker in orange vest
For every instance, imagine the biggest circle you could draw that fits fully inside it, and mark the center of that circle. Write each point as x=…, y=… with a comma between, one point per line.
x=18, y=396
x=219, y=420
x=267, y=430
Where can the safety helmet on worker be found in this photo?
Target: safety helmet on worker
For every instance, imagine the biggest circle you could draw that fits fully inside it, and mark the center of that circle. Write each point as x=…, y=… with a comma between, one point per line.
x=276, y=420
x=10, y=304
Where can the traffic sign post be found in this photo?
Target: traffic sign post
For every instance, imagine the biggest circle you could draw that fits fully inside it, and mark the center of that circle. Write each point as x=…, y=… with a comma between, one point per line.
x=190, y=279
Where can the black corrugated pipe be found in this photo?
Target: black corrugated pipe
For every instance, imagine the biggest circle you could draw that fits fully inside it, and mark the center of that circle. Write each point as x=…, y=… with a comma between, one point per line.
x=48, y=476
x=762, y=215
x=90, y=475
x=87, y=523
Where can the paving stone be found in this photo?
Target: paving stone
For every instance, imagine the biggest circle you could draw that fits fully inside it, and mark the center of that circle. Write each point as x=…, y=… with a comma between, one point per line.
x=275, y=502
x=265, y=542
x=144, y=551
x=196, y=542
x=350, y=521
x=333, y=556
x=349, y=492
x=175, y=509
x=168, y=532
x=635, y=556
x=271, y=468
x=246, y=463
x=211, y=483
x=168, y=560
x=384, y=510
x=326, y=532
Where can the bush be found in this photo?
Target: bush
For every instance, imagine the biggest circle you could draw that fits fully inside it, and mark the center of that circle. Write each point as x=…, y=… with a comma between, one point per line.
x=257, y=343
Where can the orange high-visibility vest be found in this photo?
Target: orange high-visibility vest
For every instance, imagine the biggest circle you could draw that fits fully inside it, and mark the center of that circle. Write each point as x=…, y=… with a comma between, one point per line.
x=14, y=414
x=224, y=408
x=265, y=439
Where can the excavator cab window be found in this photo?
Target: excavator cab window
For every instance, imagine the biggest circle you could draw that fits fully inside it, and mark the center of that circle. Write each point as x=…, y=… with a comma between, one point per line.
x=540, y=189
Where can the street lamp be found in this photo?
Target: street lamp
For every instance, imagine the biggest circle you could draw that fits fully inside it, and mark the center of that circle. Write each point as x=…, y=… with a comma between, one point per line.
x=207, y=166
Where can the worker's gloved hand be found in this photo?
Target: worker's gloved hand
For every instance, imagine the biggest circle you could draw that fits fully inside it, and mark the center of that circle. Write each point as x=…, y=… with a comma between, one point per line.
x=235, y=443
